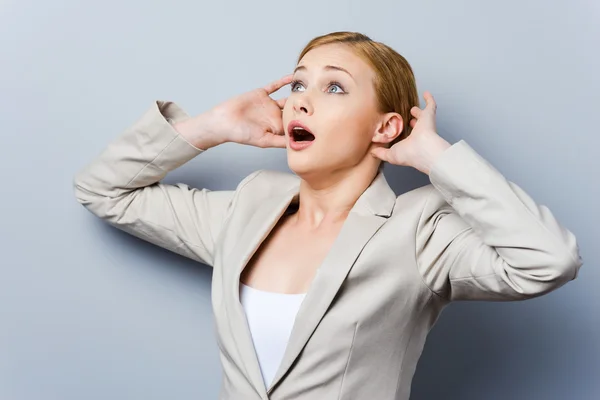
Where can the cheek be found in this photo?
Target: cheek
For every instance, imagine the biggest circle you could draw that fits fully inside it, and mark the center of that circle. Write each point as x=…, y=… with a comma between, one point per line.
x=286, y=115
x=351, y=126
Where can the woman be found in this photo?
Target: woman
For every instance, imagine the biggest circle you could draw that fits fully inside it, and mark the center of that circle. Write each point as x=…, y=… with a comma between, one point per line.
x=325, y=282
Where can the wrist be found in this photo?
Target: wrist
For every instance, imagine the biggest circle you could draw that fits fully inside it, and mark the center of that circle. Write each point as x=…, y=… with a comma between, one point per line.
x=431, y=149
x=200, y=131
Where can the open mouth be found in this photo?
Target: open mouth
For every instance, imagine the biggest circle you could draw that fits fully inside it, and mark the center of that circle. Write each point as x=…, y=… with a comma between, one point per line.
x=299, y=134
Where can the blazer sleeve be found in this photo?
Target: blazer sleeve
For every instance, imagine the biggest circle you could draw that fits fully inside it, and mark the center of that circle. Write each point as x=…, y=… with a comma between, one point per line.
x=481, y=237
x=122, y=187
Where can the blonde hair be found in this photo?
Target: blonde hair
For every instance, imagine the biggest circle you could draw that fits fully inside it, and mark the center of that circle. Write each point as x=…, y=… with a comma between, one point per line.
x=394, y=84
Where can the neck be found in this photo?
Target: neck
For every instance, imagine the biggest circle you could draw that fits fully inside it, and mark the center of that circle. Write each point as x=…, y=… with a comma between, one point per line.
x=327, y=198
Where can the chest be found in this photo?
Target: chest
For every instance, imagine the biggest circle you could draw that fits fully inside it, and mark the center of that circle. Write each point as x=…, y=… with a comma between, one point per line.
x=288, y=259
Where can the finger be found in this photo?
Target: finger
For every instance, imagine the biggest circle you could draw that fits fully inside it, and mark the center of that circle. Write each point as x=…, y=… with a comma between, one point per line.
x=278, y=84
x=415, y=112
x=275, y=141
x=381, y=153
x=429, y=100
x=281, y=102
x=413, y=122
x=276, y=126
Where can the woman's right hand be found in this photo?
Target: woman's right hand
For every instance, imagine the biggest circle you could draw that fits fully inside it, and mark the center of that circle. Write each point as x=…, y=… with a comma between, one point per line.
x=252, y=118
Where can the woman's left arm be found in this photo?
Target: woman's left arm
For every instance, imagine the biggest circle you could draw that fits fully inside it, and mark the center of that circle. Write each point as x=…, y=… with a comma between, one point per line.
x=480, y=236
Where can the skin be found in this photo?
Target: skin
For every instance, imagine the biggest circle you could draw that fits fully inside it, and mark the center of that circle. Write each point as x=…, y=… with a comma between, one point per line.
x=350, y=142
x=350, y=133
x=338, y=166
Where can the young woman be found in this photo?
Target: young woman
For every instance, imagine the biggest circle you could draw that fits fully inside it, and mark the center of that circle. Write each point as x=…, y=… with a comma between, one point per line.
x=325, y=282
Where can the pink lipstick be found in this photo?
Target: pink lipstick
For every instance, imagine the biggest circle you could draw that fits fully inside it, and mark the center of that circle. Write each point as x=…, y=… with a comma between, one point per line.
x=300, y=135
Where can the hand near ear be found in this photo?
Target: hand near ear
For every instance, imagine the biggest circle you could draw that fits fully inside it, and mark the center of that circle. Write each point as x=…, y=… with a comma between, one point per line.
x=422, y=147
x=251, y=118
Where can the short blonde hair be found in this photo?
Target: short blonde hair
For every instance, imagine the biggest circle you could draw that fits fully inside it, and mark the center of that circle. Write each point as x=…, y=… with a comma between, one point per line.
x=395, y=84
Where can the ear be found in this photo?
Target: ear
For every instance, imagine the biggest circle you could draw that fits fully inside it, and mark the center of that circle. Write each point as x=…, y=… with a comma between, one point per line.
x=388, y=128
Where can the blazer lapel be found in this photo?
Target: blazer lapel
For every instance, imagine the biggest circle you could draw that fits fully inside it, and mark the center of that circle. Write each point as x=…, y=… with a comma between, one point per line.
x=366, y=217
x=364, y=220
x=260, y=225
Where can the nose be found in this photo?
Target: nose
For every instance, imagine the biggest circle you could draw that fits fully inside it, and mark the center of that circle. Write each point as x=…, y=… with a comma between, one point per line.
x=302, y=104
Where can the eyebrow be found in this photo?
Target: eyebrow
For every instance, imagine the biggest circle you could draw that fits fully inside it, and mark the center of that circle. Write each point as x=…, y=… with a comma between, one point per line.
x=327, y=68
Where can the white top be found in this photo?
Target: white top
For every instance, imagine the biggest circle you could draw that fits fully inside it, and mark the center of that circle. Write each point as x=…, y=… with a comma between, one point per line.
x=270, y=317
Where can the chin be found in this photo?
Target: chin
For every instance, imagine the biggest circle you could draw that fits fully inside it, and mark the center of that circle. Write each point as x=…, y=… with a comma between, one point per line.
x=303, y=166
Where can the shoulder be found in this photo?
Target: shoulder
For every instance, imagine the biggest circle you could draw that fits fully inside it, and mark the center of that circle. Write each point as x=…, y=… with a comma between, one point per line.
x=419, y=200
x=265, y=183
x=269, y=181
x=420, y=208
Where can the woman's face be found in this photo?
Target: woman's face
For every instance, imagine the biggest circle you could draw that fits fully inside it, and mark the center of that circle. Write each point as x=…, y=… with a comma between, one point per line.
x=333, y=97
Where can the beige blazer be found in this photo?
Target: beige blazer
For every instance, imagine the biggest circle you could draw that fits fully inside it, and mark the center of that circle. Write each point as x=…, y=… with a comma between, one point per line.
x=397, y=262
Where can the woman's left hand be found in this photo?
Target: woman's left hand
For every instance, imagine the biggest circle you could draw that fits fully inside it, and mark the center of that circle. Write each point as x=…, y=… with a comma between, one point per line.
x=423, y=146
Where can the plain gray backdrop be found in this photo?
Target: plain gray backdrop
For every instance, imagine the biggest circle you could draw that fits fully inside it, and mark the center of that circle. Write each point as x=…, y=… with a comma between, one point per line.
x=88, y=312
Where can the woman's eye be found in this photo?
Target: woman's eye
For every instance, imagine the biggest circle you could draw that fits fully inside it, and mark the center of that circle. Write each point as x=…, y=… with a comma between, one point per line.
x=337, y=87
x=333, y=87
x=295, y=85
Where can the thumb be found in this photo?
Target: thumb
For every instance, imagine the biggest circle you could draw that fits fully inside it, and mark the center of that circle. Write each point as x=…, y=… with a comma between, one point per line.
x=276, y=126
x=273, y=140
x=382, y=153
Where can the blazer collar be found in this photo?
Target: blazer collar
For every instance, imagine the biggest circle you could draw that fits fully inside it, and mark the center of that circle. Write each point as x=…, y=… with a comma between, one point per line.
x=378, y=199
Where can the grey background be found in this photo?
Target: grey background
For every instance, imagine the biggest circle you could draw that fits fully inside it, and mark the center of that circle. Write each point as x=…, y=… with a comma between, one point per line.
x=87, y=312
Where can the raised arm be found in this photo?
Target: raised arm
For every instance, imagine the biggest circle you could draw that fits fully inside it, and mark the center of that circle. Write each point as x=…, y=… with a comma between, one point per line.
x=122, y=185
x=480, y=237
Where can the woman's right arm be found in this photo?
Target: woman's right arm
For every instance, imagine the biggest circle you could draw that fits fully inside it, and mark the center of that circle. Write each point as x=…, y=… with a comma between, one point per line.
x=122, y=185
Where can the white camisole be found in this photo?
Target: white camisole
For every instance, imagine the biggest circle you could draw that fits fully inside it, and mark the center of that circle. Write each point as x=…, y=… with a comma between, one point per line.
x=270, y=317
